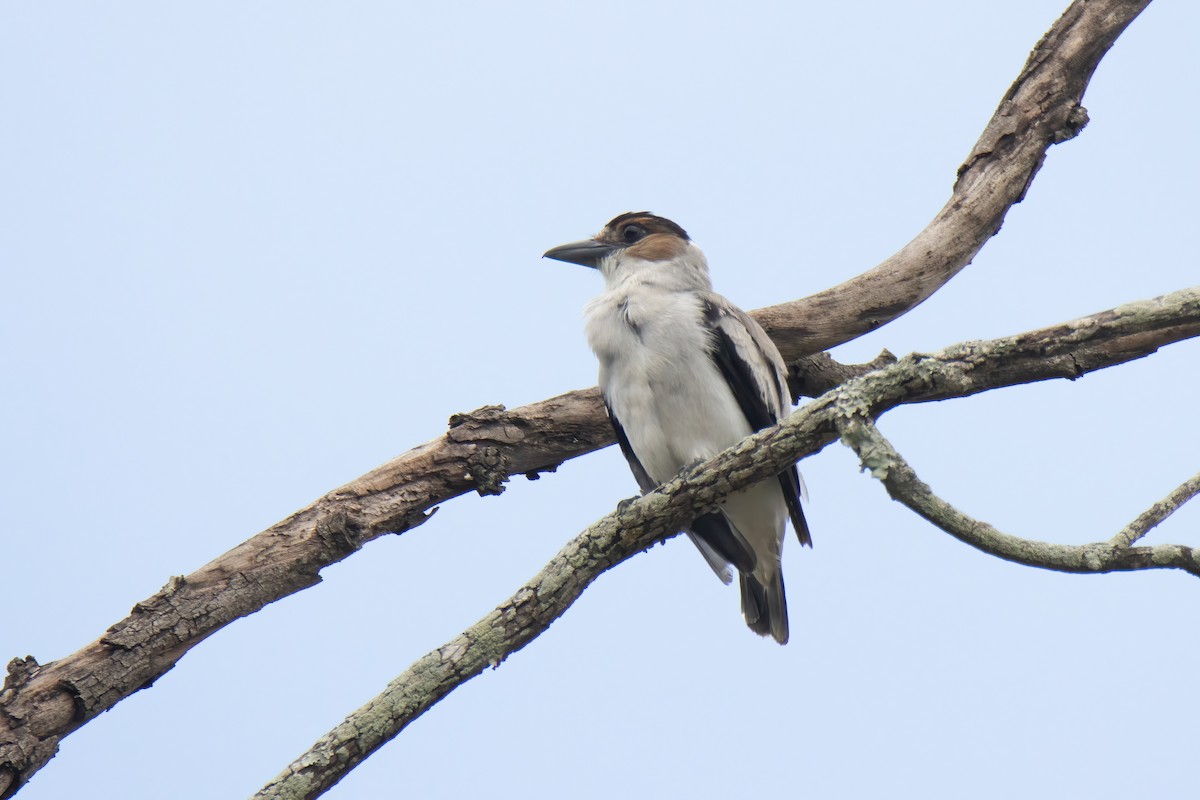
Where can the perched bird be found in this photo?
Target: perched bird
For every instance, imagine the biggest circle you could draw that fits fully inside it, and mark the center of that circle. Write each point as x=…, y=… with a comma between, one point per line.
x=686, y=374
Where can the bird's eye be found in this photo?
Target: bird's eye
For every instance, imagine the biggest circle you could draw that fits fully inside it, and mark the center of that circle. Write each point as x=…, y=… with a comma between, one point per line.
x=633, y=233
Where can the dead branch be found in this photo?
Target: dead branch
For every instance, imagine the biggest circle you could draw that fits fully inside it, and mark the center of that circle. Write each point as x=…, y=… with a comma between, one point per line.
x=882, y=460
x=1101, y=340
x=41, y=704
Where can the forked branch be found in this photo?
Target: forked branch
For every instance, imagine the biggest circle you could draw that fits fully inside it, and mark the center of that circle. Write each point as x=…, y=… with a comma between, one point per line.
x=1118, y=554
x=1067, y=351
x=41, y=704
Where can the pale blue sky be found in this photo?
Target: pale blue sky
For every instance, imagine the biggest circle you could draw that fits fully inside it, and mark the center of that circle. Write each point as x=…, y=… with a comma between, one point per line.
x=251, y=251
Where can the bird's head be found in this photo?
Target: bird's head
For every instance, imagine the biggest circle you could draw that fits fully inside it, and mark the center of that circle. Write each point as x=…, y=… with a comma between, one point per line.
x=639, y=242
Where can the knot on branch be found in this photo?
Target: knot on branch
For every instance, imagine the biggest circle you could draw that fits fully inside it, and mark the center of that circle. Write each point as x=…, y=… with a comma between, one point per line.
x=20, y=672
x=480, y=416
x=1077, y=120
x=486, y=464
x=486, y=468
x=341, y=533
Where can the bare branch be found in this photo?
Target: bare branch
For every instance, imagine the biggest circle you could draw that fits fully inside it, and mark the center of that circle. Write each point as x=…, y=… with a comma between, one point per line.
x=813, y=376
x=40, y=705
x=1039, y=110
x=1094, y=342
x=881, y=459
x=1155, y=514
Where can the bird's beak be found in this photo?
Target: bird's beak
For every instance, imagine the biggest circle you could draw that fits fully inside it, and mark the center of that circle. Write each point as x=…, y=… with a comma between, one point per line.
x=588, y=253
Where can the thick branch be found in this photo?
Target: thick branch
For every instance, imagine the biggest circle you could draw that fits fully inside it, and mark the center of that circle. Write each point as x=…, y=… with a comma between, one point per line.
x=40, y=705
x=1104, y=339
x=1040, y=109
x=1117, y=555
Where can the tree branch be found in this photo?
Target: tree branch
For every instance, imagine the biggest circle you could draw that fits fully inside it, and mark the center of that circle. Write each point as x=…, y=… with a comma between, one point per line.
x=813, y=376
x=1155, y=514
x=1101, y=340
x=41, y=704
x=1116, y=555
x=1039, y=110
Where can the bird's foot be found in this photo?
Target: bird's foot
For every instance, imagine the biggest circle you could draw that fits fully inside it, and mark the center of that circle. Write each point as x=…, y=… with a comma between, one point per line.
x=624, y=505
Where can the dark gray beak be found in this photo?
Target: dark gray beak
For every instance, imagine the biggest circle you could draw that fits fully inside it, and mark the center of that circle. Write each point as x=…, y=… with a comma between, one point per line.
x=588, y=253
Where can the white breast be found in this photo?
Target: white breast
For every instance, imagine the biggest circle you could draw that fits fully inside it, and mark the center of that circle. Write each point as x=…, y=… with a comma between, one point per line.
x=658, y=376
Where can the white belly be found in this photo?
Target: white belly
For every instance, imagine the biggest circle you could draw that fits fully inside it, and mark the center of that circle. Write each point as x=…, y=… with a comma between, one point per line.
x=659, y=378
x=675, y=413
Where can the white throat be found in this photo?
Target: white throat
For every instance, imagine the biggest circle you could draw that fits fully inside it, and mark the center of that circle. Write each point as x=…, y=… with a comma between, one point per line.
x=687, y=271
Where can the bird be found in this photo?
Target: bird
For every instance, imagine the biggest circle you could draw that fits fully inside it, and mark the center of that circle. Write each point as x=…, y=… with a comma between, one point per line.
x=684, y=374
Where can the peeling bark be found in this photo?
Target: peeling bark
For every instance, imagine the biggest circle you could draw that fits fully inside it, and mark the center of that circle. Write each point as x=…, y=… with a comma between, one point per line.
x=41, y=704
x=1102, y=340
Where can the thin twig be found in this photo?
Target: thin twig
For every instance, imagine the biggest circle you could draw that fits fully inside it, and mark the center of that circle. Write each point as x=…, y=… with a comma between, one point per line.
x=881, y=459
x=1155, y=514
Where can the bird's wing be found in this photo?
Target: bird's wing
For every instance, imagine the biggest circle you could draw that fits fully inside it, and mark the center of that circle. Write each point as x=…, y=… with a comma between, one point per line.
x=715, y=560
x=719, y=543
x=644, y=481
x=755, y=372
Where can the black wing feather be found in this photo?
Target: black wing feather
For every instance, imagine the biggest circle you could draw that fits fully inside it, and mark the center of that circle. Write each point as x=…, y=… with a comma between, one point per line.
x=738, y=375
x=718, y=534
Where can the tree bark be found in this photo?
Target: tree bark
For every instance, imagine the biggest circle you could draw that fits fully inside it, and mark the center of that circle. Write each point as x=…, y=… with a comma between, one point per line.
x=1115, y=555
x=39, y=705
x=1069, y=351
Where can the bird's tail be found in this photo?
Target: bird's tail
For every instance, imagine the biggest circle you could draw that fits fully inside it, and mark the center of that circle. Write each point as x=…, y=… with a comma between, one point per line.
x=765, y=607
